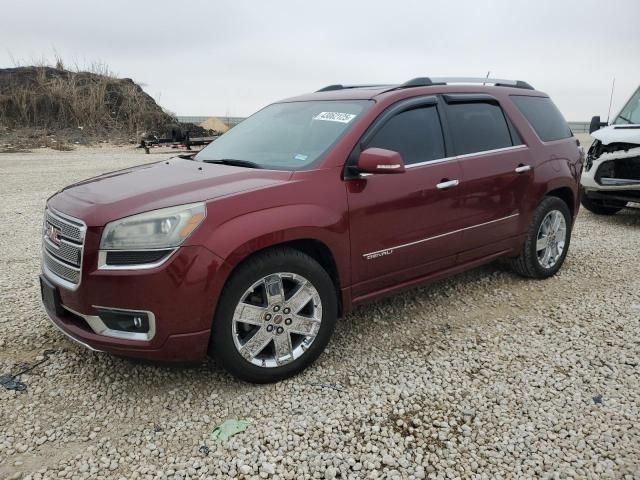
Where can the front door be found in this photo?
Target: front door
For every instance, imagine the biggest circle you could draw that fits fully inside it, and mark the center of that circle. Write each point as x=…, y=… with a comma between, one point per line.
x=405, y=226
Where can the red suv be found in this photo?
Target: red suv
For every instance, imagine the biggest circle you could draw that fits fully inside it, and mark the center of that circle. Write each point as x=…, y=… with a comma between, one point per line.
x=251, y=249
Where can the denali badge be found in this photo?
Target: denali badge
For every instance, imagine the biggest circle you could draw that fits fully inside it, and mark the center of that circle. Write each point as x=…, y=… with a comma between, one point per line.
x=53, y=234
x=381, y=253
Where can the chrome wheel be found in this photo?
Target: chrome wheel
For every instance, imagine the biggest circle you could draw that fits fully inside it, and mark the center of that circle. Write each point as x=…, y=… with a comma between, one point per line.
x=552, y=237
x=277, y=319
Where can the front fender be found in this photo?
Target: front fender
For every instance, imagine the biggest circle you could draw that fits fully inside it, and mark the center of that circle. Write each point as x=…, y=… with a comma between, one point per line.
x=246, y=234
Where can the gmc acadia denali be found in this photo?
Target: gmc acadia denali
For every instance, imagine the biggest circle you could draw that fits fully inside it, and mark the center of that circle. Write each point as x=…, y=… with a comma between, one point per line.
x=253, y=247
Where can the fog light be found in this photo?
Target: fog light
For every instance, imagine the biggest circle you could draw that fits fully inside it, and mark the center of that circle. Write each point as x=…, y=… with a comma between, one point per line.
x=125, y=321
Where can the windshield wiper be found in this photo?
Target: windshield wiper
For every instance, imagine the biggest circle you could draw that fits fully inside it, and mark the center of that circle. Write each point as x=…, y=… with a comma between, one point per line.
x=235, y=162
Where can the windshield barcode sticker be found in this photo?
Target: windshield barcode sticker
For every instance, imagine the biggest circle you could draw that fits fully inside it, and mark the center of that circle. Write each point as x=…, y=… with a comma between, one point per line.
x=335, y=117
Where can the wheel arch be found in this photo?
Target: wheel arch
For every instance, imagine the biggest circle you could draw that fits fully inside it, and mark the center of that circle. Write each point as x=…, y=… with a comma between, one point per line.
x=554, y=178
x=314, y=247
x=567, y=195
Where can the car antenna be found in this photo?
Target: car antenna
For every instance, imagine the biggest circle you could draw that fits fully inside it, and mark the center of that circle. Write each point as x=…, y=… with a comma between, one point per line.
x=613, y=86
x=488, y=73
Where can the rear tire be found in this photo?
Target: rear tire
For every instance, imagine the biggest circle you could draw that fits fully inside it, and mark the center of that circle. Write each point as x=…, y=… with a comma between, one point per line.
x=255, y=334
x=598, y=206
x=534, y=261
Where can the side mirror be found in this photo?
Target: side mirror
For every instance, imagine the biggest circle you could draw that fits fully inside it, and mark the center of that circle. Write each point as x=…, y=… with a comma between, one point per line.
x=380, y=160
x=596, y=124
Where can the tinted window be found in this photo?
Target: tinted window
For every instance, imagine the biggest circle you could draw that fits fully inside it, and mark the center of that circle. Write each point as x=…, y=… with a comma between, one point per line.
x=416, y=134
x=544, y=117
x=477, y=127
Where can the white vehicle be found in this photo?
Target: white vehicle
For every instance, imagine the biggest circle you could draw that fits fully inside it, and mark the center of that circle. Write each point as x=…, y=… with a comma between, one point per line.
x=611, y=175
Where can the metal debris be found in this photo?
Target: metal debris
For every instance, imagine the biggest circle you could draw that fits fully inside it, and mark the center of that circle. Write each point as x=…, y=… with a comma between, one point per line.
x=11, y=382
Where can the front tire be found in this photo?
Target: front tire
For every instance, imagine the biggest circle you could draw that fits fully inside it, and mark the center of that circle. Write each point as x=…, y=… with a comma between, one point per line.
x=599, y=207
x=275, y=316
x=547, y=242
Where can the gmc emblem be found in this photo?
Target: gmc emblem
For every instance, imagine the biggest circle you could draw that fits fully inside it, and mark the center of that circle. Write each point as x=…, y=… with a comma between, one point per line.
x=53, y=234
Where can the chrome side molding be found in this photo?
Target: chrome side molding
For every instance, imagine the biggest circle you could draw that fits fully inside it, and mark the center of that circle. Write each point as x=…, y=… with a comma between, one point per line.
x=389, y=251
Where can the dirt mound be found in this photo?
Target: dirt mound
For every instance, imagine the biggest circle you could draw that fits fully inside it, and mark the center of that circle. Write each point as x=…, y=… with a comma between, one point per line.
x=57, y=99
x=215, y=124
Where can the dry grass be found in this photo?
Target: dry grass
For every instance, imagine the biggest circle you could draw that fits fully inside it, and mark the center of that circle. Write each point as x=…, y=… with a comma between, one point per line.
x=13, y=149
x=61, y=146
x=55, y=98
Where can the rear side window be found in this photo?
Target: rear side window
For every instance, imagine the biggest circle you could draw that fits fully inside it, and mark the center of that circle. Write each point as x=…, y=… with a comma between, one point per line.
x=544, y=117
x=416, y=134
x=477, y=127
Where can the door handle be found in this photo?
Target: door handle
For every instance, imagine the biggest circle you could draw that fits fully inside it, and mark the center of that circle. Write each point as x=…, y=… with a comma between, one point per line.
x=447, y=184
x=523, y=168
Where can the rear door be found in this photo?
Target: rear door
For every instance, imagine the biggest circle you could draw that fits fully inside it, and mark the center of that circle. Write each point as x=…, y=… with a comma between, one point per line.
x=404, y=226
x=497, y=171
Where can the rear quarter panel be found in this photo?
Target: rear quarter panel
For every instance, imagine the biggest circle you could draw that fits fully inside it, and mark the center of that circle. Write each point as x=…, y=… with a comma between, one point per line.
x=556, y=164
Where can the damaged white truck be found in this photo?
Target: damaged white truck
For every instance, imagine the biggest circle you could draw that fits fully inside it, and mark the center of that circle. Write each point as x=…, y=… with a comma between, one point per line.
x=611, y=175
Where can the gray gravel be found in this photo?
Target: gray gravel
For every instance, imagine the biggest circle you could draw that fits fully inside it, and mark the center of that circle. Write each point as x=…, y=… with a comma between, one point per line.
x=485, y=375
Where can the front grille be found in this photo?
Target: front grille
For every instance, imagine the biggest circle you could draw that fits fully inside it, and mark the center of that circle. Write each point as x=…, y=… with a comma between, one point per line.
x=62, y=270
x=71, y=229
x=63, y=243
x=621, y=168
x=67, y=252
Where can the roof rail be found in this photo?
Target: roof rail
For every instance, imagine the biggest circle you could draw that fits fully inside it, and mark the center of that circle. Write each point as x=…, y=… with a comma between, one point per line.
x=429, y=81
x=329, y=88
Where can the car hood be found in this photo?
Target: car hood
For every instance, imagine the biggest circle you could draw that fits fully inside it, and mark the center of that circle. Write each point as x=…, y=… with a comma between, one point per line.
x=119, y=194
x=618, y=134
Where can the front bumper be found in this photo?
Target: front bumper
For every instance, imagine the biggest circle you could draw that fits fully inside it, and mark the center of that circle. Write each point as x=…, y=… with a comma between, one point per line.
x=621, y=172
x=181, y=295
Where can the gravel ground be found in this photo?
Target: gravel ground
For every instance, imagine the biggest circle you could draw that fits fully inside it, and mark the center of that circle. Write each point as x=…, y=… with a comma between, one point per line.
x=484, y=375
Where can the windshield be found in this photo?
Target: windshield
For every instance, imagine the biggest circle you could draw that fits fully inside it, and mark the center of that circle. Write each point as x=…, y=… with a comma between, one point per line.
x=285, y=136
x=631, y=111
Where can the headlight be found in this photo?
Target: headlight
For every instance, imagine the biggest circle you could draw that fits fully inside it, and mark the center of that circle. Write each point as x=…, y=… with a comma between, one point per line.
x=164, y=228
